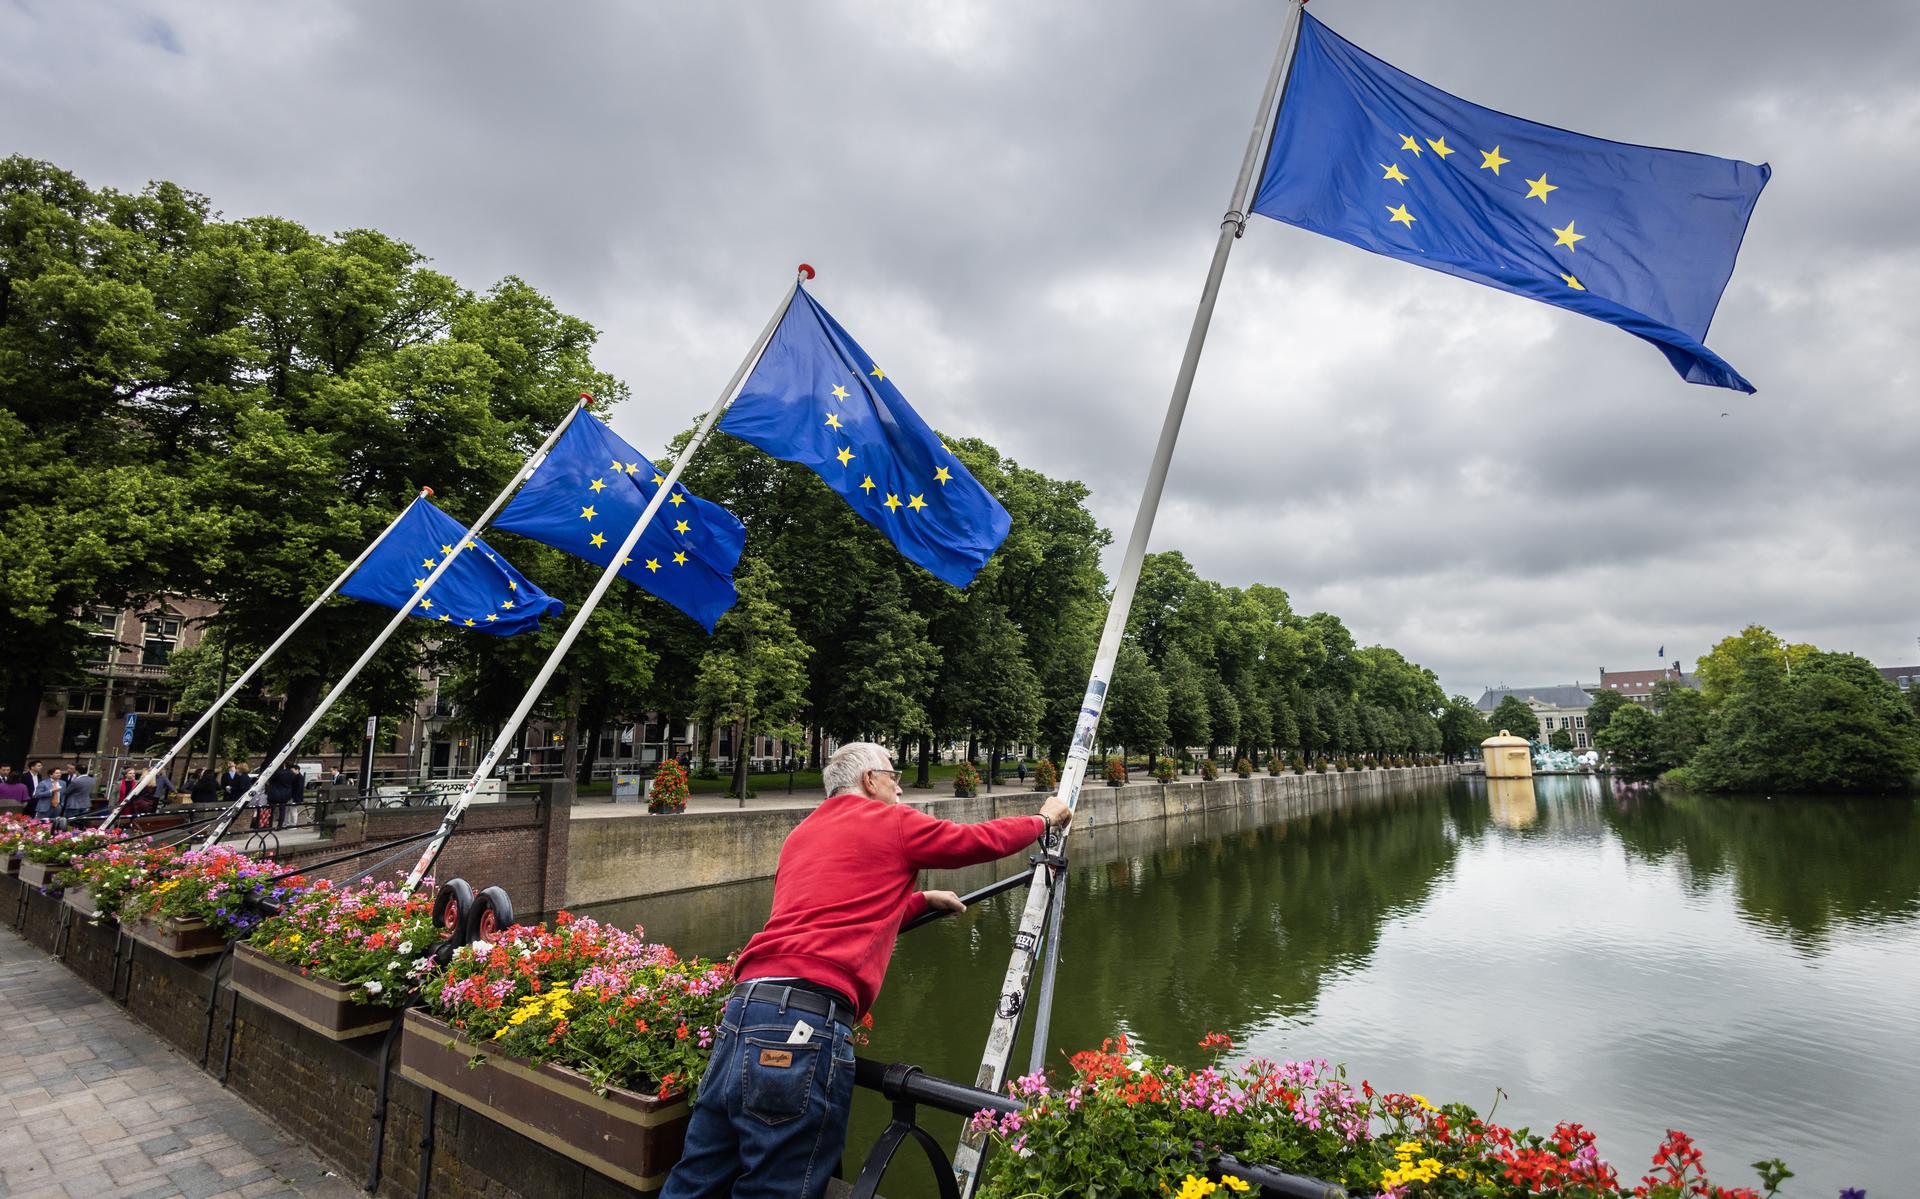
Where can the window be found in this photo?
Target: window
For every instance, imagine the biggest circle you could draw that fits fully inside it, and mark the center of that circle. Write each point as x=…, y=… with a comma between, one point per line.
x=1579, y=722
x=103, y=625
x=162, y=637
x=1582, y=739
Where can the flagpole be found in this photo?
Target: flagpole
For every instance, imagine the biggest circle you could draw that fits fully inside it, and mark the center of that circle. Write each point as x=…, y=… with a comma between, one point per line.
x=512, y=726
x=339, y=689
x=1006, y=1021
x=154, y=771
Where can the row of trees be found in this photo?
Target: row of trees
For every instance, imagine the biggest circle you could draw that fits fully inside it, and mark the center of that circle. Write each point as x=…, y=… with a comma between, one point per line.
x=231, y=409
x=1768, y=717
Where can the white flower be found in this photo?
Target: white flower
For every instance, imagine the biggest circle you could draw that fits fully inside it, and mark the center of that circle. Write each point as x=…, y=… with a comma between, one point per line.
x=1136, y=1065
x=405, y=947
x=421, y=965
x=480, y=947
x=393, y=965
x=374, y=987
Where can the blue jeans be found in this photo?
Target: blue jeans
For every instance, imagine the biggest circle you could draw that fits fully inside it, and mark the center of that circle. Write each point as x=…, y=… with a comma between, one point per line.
x=771, y=1117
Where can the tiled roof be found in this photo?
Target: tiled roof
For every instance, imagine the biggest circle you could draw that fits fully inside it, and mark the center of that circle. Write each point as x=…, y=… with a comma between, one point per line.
x=1566, y=696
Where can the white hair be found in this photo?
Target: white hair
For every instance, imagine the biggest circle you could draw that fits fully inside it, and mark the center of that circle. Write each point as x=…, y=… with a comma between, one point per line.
x=850, y=762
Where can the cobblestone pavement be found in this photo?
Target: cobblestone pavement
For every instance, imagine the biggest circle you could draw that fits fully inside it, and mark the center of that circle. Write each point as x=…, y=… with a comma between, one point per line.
x=92, y=1106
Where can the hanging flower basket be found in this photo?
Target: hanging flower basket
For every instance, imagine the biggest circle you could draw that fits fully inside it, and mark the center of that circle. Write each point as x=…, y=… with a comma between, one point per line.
x=178, y=938
x=41, y=874
x=622, y=1134
x=318, y=1004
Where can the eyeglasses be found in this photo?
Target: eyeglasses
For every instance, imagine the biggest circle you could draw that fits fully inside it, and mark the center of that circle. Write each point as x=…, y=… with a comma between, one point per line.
x=892, y=774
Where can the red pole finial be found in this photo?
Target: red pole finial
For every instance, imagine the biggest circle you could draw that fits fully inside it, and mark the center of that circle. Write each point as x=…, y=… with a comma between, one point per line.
x=426, y=491
x=806, y=270
x=585, y=399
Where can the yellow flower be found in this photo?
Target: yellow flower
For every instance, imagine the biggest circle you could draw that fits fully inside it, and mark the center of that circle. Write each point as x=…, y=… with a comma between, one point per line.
x=1235, y=1184
x=1195, y=1188
x=1422, y=1101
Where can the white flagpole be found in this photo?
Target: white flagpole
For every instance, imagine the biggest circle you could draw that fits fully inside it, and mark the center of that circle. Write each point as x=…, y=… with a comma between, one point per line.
x=507, y=731
x=292, y=746
x=153, y=772
x=1013, y=991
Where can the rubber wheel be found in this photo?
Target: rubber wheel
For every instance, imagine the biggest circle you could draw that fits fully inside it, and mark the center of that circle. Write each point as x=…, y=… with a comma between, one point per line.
x=452, y=904
x=491, y=912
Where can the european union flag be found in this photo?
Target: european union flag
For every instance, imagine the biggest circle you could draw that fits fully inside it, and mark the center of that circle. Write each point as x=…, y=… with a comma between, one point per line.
x=584, y=498
x=481, y=590
x=816, y=398
x=1639, y=237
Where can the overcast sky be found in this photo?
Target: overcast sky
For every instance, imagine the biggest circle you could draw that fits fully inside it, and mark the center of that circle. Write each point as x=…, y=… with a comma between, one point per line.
x=1012, y=206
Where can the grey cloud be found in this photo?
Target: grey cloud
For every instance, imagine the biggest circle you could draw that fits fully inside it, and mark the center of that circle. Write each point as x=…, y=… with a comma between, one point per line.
x=1012, y=205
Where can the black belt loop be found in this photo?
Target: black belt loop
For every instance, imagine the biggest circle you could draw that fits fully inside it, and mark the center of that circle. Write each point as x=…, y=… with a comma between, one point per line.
x=786, y=996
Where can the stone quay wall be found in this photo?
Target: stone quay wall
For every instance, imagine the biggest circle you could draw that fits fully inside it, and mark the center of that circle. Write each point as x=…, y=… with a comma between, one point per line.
x=629, y=857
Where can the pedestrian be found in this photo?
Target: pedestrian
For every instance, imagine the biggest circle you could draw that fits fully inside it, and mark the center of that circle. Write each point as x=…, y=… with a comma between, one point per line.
x=13, y=790
x=162, y=788
x=235, y=782
x=1020, y=769
x=128, y=784
x=42, y=782
x=76, y=792
x=205, y=788
x=771, y=1117
x=280, y=786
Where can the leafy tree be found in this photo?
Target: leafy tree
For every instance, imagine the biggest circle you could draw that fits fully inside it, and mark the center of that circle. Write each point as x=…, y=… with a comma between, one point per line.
x=1223, y=715
x=885, y=668
x=1561, y=739
x=1602, y=709
x=1135, y=714
x=1721, y=667
x=1515, y=716
x=1462, y=728
x=1005, y=704
x=1631, y=741
x=1188, y=721
x=754, y=674
x=1829, y=726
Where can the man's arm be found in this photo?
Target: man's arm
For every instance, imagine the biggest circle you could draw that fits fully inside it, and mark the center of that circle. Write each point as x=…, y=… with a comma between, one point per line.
x=931, y=843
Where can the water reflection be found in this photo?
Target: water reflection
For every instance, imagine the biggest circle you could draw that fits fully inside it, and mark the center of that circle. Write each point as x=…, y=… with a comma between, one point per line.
x=1512, y=802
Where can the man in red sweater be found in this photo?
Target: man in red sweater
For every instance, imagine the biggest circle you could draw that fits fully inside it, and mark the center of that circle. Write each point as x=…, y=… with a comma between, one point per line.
x=771, y=1116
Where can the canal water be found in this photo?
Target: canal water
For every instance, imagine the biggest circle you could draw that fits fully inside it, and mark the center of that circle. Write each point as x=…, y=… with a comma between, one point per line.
x=1745, y=970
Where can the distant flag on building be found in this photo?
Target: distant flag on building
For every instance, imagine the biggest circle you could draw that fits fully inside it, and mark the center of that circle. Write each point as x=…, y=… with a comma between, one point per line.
x=481, y=590
x=818, y=399
x=1639, y=237
x=585, y=497
x=1662, y=655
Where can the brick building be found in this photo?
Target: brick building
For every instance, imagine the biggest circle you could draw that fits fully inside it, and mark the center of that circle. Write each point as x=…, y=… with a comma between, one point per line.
x=1638, y=685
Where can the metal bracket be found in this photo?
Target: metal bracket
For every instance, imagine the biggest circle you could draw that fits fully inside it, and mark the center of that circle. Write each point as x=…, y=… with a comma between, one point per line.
x=1238, y=220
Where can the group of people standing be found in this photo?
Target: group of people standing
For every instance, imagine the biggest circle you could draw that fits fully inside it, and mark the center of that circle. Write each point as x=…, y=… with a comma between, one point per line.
x=70, y=791
x=61, y=791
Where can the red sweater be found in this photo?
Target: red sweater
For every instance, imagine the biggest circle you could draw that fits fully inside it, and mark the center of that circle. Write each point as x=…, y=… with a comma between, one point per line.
x=845, y=885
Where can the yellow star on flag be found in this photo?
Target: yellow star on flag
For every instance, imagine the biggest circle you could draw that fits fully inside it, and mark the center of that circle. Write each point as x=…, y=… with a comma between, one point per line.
x=470, y=545
x=891, y=502
x=658, y=478
x=427, y=562
x=845, y=455
x=633, y=468
x=1574, y=283
x=876, y=372
x=1407, y=143
x=839, y=392
x=618, y=465
x=679, y=558
x=1566, y=237
x=492, y=616
x=596, y=541
x=468, y=622
x=506, y=603
x=676, y=499
x=512, y=586
x=1440, y=147
x=1394, y=173
x=866, y=484
x=426, y=605
x=653, y=564
x=941, y=474
x=446, y=618
x=1490, y=160
x=597, y=485
x=1538, y=188
x=833, y=422
x=588, y=513
x=419, y=582
x=916, y=503
x=680, y=526
x=1402, y=216
x=446, y=549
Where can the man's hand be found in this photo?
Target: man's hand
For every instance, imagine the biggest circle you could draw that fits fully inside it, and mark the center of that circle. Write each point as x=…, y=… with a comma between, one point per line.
x=1056, y=812
x=943, y=901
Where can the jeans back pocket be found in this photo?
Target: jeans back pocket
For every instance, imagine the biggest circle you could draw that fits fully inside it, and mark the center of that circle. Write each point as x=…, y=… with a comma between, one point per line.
x=779, y=1078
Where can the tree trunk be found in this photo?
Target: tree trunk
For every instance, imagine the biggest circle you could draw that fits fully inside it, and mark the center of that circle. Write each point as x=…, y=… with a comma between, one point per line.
x=303, y=696
x=973, y=747
x=921, y=777
x=570, y=733
x=740, y=760
x=993, y=765
x=21, y=711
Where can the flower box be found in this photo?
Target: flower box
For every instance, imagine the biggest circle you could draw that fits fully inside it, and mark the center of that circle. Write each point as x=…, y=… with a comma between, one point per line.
x=13, y=863
x=178, y=938
x=40, y=874
x=81, y=901
x=318, y=1004
x=627, y=1136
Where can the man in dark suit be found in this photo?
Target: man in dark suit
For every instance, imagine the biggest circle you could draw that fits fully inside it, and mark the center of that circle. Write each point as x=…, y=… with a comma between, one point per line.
x=234, y=783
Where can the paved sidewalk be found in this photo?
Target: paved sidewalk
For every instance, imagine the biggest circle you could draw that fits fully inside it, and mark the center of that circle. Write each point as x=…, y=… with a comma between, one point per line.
x=92, y=1106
